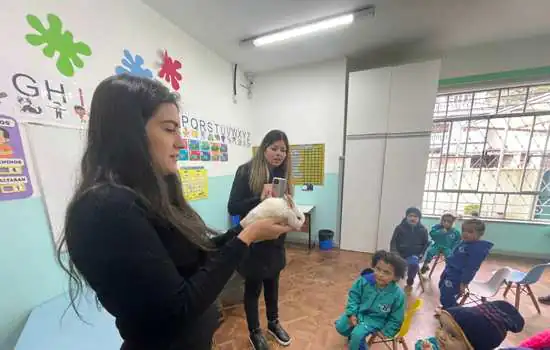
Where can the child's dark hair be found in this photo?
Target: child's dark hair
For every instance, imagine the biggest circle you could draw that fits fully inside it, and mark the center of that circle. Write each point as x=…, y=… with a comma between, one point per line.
x=448, y=215
x=377, y=256
x=5, y=133
x=398, y=263
x=475, y=225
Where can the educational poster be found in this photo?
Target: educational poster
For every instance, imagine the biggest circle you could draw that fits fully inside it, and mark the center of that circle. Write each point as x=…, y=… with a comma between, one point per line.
x=205, y=150
x=208, y=141
x=308, y=163
x=194, y=181
x=33, y=97
x=14, y=174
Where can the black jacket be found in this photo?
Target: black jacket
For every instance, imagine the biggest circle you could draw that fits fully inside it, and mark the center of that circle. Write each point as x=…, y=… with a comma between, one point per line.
x=264, y=259
x=160, y=287
x=409, y=240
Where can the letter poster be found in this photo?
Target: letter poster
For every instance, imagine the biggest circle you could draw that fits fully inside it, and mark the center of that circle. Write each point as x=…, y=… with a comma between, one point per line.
x=15, y=182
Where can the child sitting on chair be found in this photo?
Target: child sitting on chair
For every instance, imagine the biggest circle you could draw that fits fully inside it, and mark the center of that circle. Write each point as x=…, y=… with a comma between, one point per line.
x=462, y=265
x=410, y=240
x=376, y=304
x=482, y=327
x=444, y=238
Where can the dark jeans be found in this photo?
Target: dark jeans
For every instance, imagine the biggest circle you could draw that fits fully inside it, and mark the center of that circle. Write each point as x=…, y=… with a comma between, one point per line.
x=252, y=290
x=412, y=269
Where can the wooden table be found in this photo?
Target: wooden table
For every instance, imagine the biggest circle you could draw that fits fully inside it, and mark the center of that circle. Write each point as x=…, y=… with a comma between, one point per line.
x=307, y=210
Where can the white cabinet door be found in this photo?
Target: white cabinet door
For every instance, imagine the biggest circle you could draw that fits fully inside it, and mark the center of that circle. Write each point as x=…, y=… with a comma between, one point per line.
x=368, y=102
x=405, y=165
x=412, y=97
x=361, y=194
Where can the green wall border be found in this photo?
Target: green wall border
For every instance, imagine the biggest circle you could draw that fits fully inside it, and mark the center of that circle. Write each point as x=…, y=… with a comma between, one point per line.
x=496, y=76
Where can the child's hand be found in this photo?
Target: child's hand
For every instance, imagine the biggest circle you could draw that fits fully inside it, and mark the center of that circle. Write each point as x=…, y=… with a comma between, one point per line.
x=426, y=345
x=352, y=320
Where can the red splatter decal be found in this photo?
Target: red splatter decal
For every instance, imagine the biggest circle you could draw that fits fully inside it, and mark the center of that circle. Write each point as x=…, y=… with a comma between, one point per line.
x=169, y=71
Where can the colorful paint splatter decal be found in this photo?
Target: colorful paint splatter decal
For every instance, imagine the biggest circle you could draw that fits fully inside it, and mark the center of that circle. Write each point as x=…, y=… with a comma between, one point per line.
x=133, y=65
x=169, y=71
x=58, y=41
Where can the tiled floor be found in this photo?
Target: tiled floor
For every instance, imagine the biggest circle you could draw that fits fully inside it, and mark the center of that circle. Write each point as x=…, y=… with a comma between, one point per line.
x=313, y=292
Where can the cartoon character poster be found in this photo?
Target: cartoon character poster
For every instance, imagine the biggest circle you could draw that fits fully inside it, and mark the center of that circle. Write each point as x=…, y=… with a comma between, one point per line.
x=14, y=173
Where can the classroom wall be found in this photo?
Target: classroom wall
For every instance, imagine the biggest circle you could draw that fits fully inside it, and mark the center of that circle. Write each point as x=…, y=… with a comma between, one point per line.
x=512, y=238
x=29, y=274
x=510, y=55
x=515, y=60
x=306, y=102
x=518, y=60
x=504, y=56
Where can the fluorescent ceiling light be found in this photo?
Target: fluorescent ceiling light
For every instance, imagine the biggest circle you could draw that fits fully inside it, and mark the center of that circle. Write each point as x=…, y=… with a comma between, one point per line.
x=318, y=26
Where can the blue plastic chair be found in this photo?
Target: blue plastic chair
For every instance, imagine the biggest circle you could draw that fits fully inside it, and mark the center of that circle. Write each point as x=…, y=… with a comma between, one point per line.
x=523, y=281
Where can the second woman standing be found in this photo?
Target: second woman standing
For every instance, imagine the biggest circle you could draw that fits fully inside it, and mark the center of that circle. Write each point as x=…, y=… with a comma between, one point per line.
x=266, y=259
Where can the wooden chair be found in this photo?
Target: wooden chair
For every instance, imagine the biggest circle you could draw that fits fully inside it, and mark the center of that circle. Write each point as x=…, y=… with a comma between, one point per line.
x=399, y=338
x=440, y=258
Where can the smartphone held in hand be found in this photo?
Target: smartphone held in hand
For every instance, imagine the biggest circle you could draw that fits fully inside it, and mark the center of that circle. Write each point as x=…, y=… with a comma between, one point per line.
x=279, y=187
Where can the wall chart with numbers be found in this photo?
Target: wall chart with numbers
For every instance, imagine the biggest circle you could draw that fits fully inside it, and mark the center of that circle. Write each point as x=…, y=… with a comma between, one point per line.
x=194, y=181
x=308, y=163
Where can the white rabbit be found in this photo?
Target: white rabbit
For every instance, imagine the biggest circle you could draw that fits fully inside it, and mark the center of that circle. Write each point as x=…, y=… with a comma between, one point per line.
x=276, y=208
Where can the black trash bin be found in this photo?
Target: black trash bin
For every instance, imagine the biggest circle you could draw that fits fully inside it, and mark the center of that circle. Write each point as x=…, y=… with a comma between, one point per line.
x=325, y=239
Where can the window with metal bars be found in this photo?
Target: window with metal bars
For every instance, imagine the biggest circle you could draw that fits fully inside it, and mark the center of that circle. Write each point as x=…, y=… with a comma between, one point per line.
x=489, y=154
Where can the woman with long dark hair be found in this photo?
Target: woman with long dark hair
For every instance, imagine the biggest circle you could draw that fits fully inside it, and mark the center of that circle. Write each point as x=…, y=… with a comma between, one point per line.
x=266, y=259
x=130, y=234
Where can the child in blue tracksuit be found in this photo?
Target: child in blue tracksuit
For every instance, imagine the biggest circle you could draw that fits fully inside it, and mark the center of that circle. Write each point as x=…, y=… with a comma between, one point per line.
x=375, y=302
x=410, y=240
x=463, y=264
x=444, y=238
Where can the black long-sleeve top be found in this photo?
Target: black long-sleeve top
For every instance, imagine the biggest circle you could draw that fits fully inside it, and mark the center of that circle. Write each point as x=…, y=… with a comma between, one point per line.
x=159, y=286
x=409, y=240
x=267, y=258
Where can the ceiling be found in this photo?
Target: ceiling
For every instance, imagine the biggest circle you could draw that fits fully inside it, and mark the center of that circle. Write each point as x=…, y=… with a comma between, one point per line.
x=432, y=25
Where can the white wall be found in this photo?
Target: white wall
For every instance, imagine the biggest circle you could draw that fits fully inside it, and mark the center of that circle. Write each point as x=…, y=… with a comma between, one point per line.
x=29, y=274
x=307, y=102
x=479, y=59
x=109, y=28
x=496, y=57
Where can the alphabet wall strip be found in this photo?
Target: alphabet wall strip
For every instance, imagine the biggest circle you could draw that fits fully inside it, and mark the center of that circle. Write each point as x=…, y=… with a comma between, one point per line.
x=30, y=98
x=208, y=141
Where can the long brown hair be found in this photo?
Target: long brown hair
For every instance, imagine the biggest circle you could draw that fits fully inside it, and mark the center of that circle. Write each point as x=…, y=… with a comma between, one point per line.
x=259, y=172
x=117, y=154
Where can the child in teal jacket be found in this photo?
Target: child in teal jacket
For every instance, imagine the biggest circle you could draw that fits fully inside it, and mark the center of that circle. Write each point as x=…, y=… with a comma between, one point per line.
x=375, y=302
x=444, y=238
